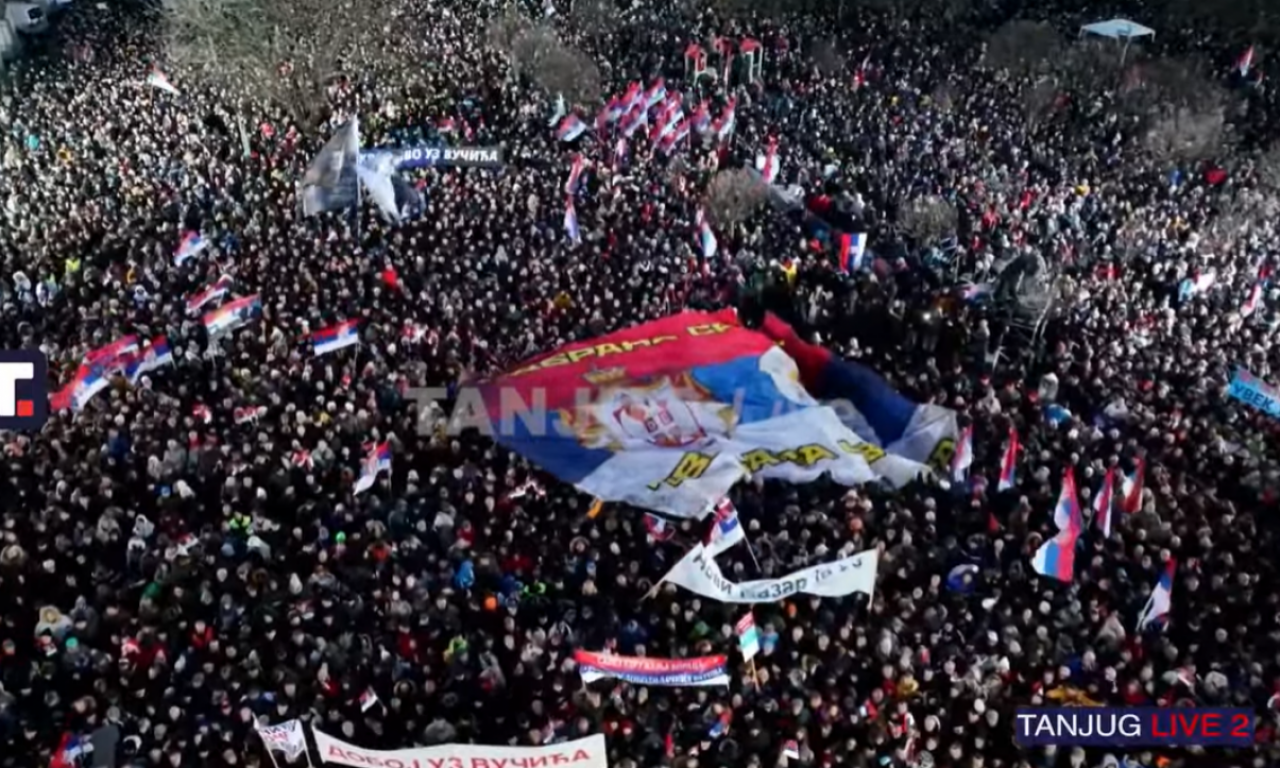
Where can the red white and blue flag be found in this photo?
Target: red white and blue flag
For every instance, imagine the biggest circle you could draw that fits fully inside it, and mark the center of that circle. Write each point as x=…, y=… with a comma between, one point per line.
x=658, y=528
x=575, y=174
x=1132, y=500
x=336, y=337
x=1156, y=611
x=156, y=355
x=377, y=460
x=571, y=221
x=647, y=670
x=726, y=530
x=232, y=315
x=656, y=93
x=213, y=293
x=571, y=127
x=114, y=356
x=1056, y=558
x=853, y=246
x=1105, y=502
x=1009, y=464
x=191, y=244
x=1068, y=506
x=723, y=126
x=1245, y=62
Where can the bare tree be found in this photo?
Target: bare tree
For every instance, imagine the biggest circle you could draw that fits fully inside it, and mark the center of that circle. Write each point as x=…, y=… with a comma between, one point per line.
x=280, y=51
x=732, y=196
x=1186, y=134
x=1038, y=101
x=1180, y=110
x=597, y=18
x=1022, y=47
x=826, y=57
x=928, y=219
x=556, y=67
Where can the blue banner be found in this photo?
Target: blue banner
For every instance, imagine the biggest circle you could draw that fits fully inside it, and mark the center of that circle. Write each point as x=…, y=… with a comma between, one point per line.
x=1251, y=390
x=431, y=156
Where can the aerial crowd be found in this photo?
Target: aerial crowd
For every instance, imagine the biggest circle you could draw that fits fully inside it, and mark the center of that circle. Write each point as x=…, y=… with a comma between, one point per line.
x=185, y=554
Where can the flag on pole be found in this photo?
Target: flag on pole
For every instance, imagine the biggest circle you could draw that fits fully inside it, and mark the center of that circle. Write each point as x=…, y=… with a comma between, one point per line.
x=232, y=315
x=1156, y=610
x=570, y=128
x=963, y=457
x=1057, y=556
x=1103, y=503
x=726, y=530
x=368, y=700
x=332, y=182
x=191, y=244
x=67, y=753
x=286, y=737
x=377, y=460
x=655, y=94
x=335, y=337
x=1132, y=500
x=211, y=294
x=159, y=80
x=852, y=247
x=658, y=528
x=791, y=749
x=1068, y=506
x=575, y=173
x=748, y=636
x=1009, y=464
x=1245, y=62
x=155, y=356
x=571, y=221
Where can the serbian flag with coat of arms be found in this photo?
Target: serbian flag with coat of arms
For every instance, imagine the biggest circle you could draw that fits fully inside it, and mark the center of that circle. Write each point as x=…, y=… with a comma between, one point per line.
x=670, y=414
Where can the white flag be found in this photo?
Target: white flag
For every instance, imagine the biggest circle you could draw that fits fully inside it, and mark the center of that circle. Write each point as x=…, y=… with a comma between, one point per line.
x=287, y=737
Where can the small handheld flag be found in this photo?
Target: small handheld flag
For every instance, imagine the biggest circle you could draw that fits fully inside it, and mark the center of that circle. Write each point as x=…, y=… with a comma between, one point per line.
x=657, y=527
x=158, y=80
x=963, y=457
x=1156, y=610
x=1009, y=464
x=571, y=221
x=748, y=636
x=1104, y=502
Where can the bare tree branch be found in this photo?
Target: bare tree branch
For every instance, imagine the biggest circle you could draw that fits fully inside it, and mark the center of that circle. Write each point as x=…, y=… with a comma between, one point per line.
x=279, y=51
x=1023, y=47
x=1182, y=111
x=732, y=196
x=554, y=66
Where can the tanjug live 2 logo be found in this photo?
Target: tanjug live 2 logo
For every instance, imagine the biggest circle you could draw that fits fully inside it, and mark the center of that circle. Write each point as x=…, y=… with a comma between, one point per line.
x=24, y=400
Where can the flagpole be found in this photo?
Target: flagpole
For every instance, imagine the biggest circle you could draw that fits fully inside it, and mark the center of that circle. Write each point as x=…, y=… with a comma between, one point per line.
x=271, y=752
x=752, y=551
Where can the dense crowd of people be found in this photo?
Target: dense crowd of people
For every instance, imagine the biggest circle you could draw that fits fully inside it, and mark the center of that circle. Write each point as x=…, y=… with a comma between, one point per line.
x=176, y=566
